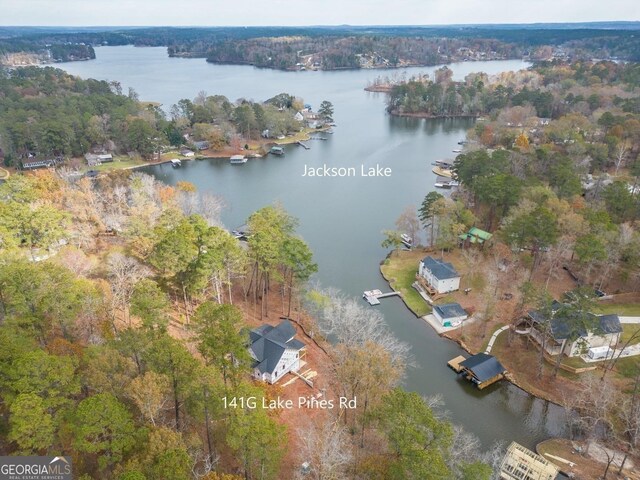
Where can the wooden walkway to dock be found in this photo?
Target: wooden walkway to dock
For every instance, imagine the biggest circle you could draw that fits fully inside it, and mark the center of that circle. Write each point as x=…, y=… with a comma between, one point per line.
x=306, y=147
x=373, y=296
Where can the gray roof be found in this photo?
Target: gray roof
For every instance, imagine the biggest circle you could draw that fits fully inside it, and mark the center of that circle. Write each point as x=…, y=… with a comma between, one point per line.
x=483, y=366
x=440, y=269
x=562, y=328
x=268, y=343
x=450, y=310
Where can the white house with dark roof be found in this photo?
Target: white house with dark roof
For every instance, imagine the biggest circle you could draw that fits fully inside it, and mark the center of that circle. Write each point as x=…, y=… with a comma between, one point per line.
x=275, y=350
x=441, y=276
x=573, y=338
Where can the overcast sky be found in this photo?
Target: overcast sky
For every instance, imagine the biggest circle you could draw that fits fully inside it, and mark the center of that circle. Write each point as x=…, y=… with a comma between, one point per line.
x=310, y=12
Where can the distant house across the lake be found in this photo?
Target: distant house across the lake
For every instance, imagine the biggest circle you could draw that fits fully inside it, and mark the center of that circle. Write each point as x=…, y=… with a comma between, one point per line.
x=33, y=163
x=275, y=350
x=439, y=276
x=201, y=145
x=559, y=329
x=94, y=159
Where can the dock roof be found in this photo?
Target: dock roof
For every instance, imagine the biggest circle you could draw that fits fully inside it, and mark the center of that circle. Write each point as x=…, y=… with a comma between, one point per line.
x=483, y=366
x=440, y=269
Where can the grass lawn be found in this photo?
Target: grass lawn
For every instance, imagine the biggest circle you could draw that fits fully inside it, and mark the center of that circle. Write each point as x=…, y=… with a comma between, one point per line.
x=624, y=309
x=118, y=164
x=400, y=269
x=628, y=367
x=628, y=330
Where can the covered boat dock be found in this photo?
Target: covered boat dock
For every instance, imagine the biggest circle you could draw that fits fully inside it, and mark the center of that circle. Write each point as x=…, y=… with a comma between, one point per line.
x=482, y=369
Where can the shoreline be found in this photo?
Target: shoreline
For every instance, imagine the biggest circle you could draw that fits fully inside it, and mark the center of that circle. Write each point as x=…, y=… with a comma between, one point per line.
x=509, y=376
x=431, y=116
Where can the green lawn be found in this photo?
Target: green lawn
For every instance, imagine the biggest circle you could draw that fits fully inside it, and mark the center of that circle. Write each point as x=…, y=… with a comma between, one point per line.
x=628, y=367
x=628, y=331
x=118, y=164
x=400, y=269
x=624, y=309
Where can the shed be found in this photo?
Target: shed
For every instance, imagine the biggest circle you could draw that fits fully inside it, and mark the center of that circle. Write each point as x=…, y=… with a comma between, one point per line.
x=483, y=370
x=475, y=236
x=450, y=314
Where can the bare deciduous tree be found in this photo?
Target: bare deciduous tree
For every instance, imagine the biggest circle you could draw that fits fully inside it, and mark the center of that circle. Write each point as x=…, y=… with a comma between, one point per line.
x=124, y=272
x=327, y=449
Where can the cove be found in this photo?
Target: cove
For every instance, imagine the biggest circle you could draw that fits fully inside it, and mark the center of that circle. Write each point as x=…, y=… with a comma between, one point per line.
x=340, y=217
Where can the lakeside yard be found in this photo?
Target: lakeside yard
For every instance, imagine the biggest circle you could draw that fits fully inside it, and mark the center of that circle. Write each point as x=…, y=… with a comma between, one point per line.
x=520, y=356
x=400, y=269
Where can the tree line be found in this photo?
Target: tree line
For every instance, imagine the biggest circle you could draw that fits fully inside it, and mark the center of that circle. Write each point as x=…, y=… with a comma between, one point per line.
x=44, y=112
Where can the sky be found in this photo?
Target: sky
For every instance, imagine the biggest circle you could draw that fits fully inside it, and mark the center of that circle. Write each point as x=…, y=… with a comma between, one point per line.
x=309, y=12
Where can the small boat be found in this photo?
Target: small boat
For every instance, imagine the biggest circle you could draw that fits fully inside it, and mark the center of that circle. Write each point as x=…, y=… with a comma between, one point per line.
x=462, y=142
x=457, y=150
x=447, y=185
x=238, y=159
x=443, y=172
x=276, y=151
x=407, y=240
x=175, y=163
x=443, y=164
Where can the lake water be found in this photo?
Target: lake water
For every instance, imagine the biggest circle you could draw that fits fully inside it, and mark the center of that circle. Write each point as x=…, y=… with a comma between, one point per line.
x=340, y=218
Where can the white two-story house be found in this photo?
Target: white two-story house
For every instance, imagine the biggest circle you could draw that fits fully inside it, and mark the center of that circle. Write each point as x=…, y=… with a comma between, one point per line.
x=439, y=275
x=275, y=350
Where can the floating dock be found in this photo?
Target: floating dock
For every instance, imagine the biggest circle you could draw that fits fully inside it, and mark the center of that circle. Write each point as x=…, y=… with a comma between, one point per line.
x=373, y=296
x=306, y=147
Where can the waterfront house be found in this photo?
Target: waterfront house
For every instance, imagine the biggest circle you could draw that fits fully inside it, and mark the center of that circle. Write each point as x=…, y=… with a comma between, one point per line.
x=185, y=152
x=438, y=275
x=298, y=117
x=521, y=463
x=474, y=236
x=275, y=351
x=450, y=314
x=561, y=334
x=33, y=163
x=482, y=369
x=202, y=145
x=94, y=159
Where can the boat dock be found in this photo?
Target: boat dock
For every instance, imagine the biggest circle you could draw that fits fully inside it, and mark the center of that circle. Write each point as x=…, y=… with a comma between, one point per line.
x=454, y=363
x=373, y=296
x=306, y=147
x=481, y=369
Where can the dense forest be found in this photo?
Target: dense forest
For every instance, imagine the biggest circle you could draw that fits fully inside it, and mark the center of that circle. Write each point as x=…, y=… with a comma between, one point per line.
x=556, y=136
x=124, y=309
x=546, y=88
x=44, y=112
x=342, y=47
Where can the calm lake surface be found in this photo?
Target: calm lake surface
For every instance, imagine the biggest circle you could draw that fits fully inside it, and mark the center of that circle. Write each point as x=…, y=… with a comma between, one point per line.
x=340, y=218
